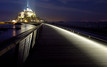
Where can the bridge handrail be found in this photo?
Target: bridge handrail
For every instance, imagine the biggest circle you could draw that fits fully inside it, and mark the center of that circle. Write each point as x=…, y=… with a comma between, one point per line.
x=85, y=35
x=15, y=40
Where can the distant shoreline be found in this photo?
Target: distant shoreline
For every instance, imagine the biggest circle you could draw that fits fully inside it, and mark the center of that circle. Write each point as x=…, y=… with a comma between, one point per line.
x=6, y=23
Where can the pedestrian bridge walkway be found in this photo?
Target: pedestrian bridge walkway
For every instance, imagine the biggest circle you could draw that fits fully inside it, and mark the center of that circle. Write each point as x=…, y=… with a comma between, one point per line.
x=56, y=47
x=47, y=45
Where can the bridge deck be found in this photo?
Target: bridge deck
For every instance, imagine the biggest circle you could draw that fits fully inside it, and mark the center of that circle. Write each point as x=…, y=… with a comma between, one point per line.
x=53, y=49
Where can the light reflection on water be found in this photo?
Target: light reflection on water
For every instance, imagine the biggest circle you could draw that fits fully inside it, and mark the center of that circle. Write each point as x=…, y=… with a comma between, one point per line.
x=13, y=30
x=26, y=27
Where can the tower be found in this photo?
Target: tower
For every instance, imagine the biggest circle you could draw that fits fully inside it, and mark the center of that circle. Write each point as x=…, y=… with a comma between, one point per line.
x=28, y=15
x=28, y=7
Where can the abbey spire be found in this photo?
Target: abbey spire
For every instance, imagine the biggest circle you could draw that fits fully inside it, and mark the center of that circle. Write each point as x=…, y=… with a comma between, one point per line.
x=28, y=15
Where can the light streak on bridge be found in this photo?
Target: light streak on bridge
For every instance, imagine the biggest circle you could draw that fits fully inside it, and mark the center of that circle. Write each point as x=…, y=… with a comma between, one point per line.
x=95, y=50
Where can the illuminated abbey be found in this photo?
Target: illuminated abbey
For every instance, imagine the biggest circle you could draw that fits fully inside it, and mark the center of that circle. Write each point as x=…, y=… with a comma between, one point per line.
x=27, y=16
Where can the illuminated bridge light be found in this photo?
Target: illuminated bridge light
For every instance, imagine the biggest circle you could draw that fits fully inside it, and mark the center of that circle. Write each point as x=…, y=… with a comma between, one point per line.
x=95, y=50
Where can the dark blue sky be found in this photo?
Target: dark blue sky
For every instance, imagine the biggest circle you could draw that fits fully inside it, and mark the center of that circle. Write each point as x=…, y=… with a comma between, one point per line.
x=56, y=10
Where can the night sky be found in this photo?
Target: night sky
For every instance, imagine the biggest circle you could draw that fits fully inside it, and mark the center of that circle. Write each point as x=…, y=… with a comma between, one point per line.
x=57, y=10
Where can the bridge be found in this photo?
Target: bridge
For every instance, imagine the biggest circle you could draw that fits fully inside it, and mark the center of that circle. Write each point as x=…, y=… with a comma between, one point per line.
x=47, y=45
x=50, y=45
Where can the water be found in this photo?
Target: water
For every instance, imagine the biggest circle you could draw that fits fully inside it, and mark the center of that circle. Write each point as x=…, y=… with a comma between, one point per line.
x=8, y=31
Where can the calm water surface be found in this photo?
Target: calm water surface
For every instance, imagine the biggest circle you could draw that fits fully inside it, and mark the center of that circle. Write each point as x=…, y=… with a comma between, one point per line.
x=9, y=30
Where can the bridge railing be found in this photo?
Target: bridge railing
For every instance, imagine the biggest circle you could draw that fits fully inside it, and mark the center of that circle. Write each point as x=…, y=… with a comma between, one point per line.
x=16, y=50
x=83, y=34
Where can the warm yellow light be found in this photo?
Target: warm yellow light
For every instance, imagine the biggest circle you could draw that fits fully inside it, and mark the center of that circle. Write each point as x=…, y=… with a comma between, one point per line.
x=28, y=9
x=2, y=22
x=14, y=21
x=37, y=20
x=41, y=20
x=22, y=15
x=30, y=14
x=26, y=21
